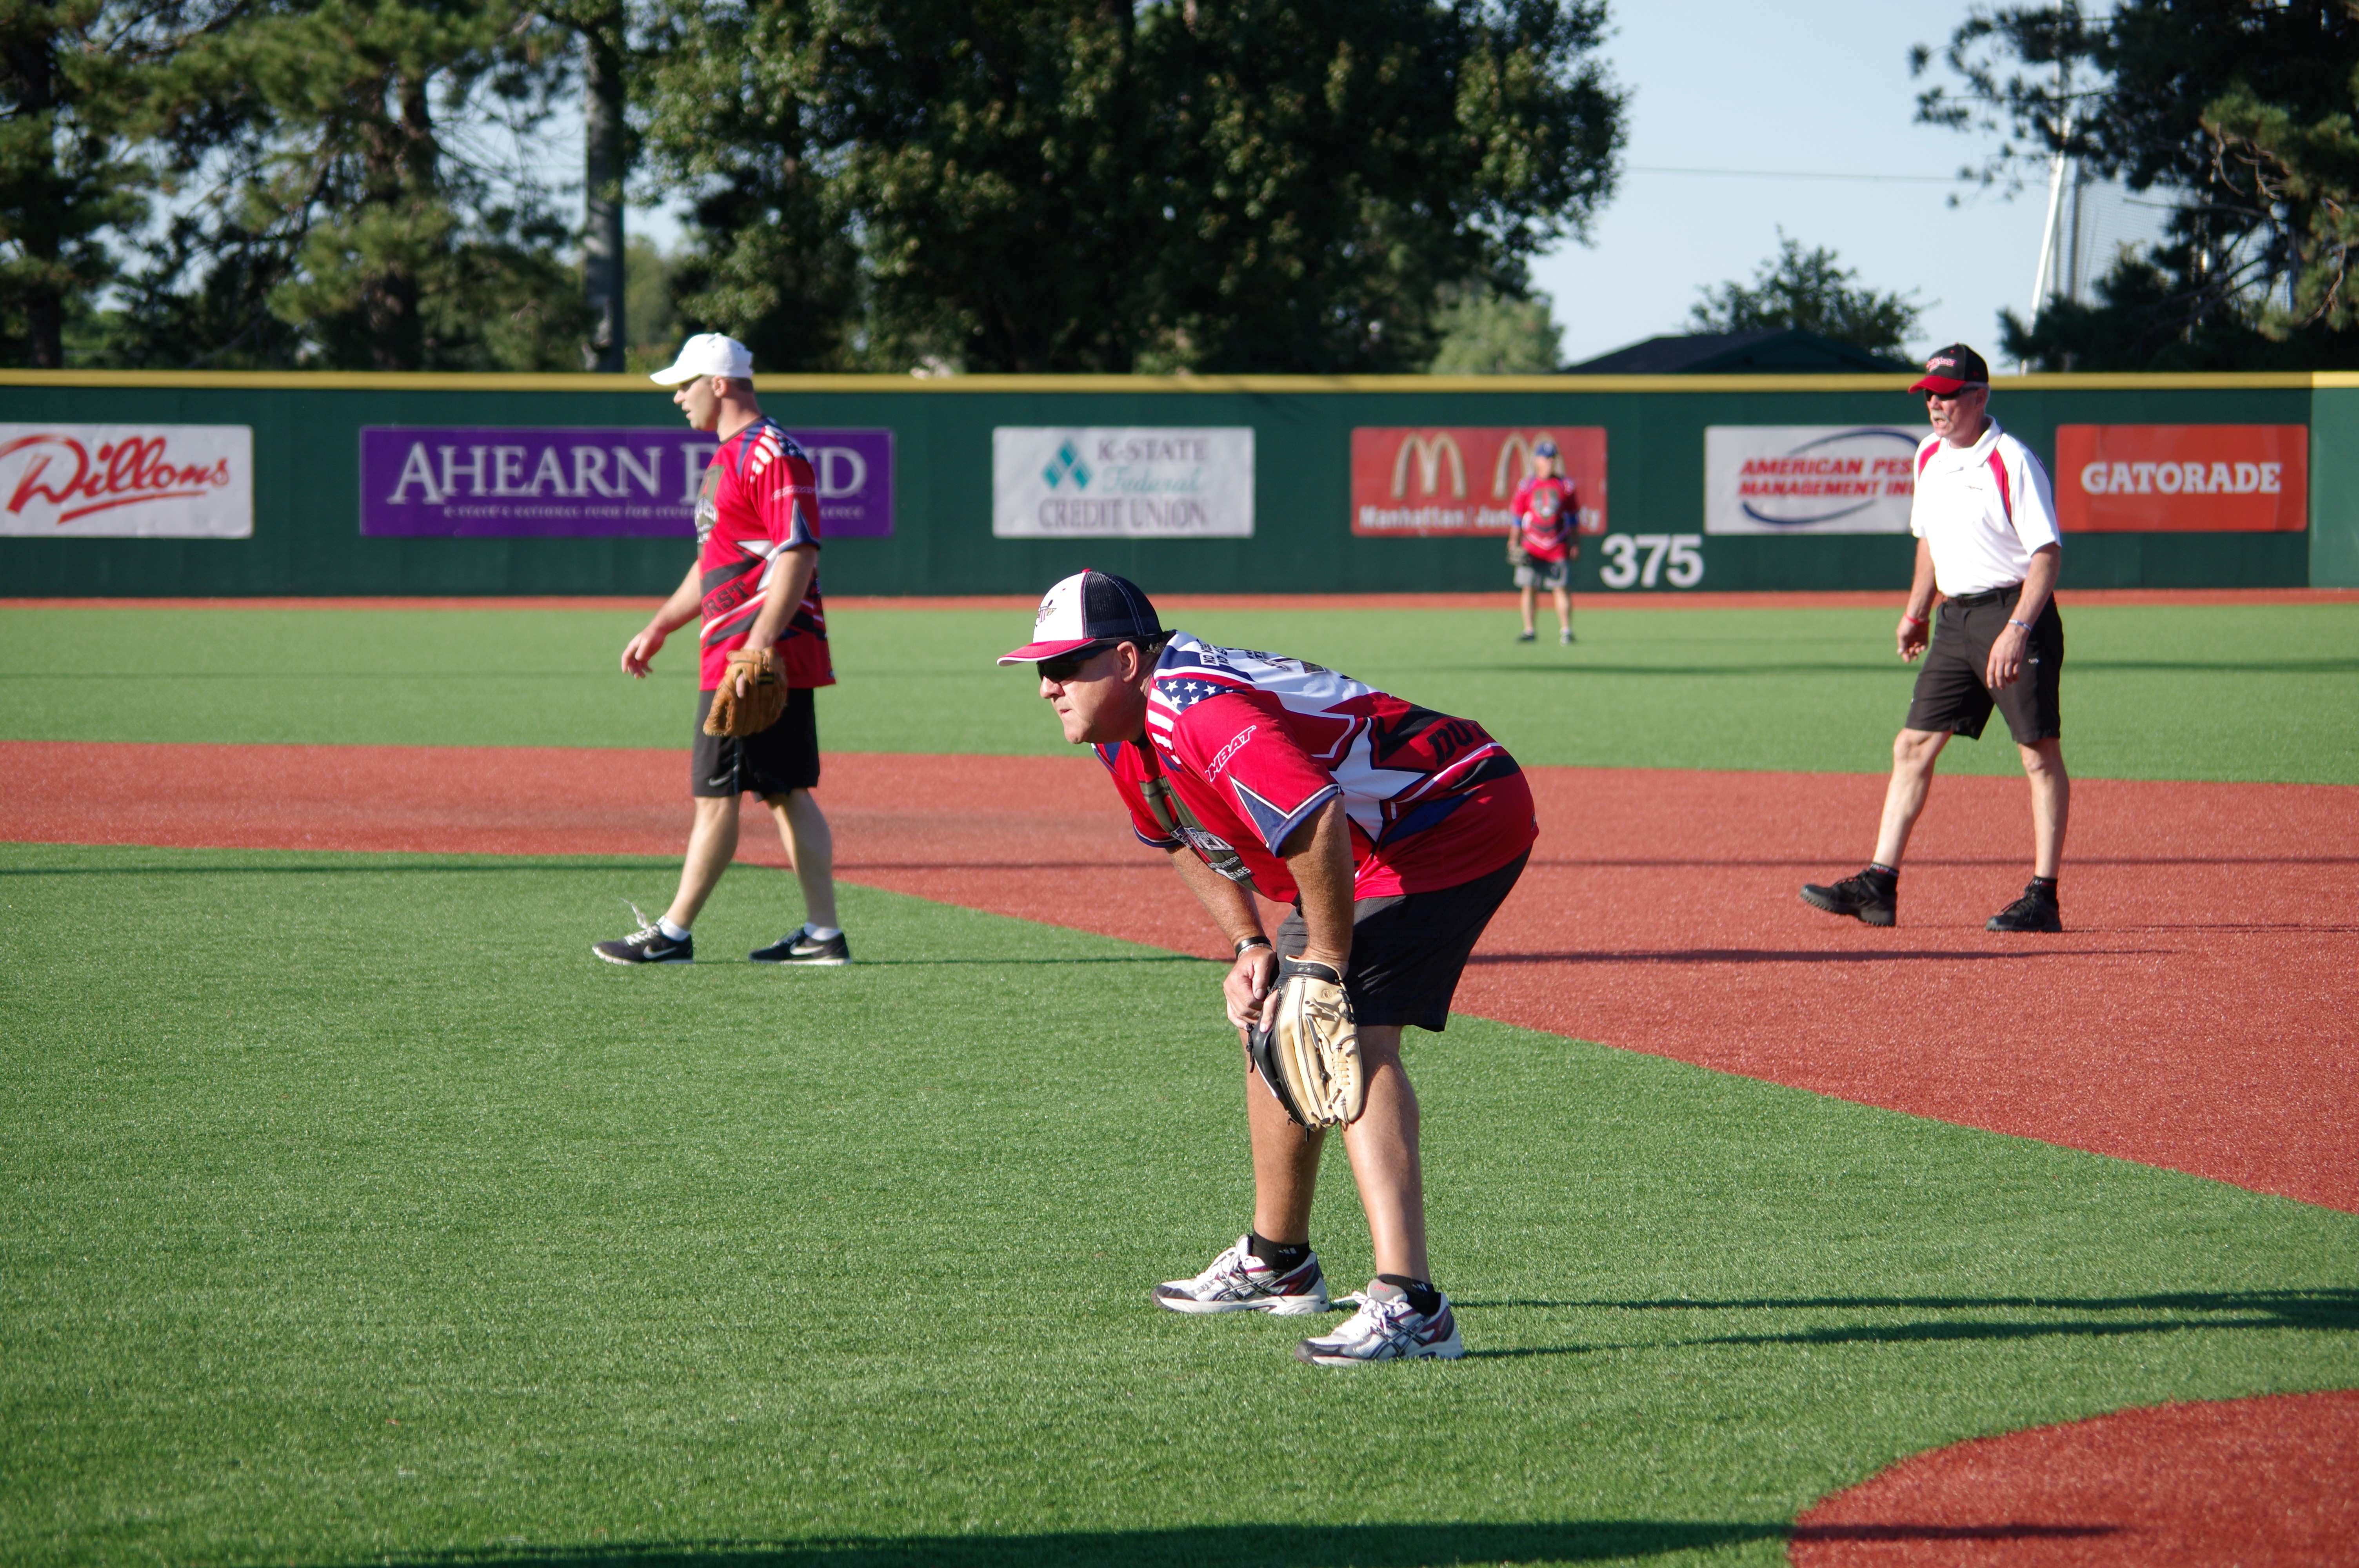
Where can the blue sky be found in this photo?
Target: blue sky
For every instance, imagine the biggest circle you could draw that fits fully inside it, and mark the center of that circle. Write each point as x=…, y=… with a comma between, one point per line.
x=1816, y=88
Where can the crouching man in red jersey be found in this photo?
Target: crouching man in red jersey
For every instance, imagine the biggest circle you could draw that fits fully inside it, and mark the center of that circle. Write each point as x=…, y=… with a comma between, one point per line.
x=1395, y=831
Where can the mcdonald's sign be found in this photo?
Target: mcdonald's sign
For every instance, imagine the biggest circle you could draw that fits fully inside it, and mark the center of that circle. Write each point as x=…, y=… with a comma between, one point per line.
x=1430, y=480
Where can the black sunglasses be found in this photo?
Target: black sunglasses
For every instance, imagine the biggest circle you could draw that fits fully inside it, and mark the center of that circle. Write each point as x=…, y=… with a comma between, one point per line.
x=1065, y=667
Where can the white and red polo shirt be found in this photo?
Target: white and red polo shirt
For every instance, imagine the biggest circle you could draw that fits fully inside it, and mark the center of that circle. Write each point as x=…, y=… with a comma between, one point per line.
x=1984, y=509
x=1253, y=744
x=760, y=500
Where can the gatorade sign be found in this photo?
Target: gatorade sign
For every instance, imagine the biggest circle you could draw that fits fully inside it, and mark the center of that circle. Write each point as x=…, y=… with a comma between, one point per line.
x=2182, y=478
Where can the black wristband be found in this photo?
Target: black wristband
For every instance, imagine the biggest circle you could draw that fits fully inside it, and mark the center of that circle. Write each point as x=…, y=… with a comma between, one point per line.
x=1245, y=943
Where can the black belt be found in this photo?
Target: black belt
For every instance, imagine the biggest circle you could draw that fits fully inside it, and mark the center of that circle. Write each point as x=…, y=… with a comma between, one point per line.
x=1988, y=596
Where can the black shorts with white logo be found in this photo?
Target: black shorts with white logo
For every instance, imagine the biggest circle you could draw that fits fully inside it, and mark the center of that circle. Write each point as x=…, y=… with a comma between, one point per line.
x=1408, y=950
x=1949, y=691
x=781, y=759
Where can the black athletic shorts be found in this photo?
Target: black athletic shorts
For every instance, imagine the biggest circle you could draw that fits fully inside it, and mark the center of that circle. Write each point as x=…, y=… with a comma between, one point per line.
x=781, y=759
x=1949, y=691
x=1408, y=950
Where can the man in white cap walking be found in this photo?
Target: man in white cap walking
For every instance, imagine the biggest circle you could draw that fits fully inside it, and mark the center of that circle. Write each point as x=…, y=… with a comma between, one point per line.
x=755, y=583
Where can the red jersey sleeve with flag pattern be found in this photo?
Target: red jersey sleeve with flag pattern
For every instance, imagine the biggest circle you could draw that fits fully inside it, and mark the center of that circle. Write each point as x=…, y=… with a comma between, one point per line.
x=759, y=502
x=1239, y=749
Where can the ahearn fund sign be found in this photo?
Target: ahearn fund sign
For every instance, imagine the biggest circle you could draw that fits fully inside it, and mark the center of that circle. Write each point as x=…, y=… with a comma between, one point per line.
x=583, y=482
x=1121, y=482
x=1808, y=479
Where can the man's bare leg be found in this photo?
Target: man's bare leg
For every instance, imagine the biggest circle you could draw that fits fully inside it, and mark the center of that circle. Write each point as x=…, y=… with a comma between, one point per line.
x=1383, y=1147
x=1563, y=623
x=1531, y=601
x=810, y=849
x=711, y=845
x=1286, y=1165
x=2052, y=803
x=1914, y=751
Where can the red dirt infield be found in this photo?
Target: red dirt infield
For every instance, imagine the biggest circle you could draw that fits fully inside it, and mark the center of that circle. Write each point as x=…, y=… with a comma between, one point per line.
x=2195, y=1015
x=2258, y=1483
x=1184, y=603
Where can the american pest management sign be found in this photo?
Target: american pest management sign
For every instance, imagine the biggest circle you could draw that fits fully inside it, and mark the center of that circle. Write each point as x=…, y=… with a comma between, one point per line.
x=579, y=483
x=139, y=482
x=1121, y=482
x=1808, y=479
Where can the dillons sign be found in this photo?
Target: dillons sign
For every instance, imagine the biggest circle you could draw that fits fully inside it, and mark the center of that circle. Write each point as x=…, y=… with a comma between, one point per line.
x=175, y=481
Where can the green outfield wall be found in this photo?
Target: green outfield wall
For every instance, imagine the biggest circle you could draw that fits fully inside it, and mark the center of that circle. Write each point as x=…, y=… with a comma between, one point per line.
x=307, y=540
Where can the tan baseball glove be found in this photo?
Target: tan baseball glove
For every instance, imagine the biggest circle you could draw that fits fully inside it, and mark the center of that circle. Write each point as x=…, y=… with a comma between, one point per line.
x=1307, y=1049
x=765, y=699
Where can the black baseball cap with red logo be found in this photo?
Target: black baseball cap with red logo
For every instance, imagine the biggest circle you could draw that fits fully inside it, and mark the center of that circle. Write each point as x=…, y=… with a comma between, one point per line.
x=1087, y=612
x=1951, y=370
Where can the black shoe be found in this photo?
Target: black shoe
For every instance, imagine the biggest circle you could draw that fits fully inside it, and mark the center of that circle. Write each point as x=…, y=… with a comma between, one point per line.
x=1527, y=636
x=2035, y=911
x=647, y=945
x=1876, y=899
x=799, y=947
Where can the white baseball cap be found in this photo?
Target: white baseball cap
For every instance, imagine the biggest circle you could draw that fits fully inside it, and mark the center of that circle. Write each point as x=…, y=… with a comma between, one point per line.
x=708, y=354
x=1085, y=609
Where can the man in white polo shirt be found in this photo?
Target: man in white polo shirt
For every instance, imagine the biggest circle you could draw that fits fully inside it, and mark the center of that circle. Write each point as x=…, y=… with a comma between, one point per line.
x=1984, y=518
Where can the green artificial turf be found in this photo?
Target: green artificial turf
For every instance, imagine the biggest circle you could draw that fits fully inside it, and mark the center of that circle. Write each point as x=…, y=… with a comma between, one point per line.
x=2261, y=692
x=351, y=1212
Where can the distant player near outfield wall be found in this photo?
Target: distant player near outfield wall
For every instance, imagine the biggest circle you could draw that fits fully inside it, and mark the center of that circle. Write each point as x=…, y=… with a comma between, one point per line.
x=754, y=581
x=1395, y=831
x=1542, y=546
x=1984, y=518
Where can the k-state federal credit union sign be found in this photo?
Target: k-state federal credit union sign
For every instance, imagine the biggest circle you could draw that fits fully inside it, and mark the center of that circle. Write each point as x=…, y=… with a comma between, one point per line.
x=139, y=482
x=1808, y=479
x=1121, y=482
x=579, y=483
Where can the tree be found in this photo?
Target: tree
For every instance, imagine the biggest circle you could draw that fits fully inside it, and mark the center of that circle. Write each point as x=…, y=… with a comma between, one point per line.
x=2303, y=163
x=80, y=82
x=2195, y=97
x=1487, y=333
x=733, y=99
x=1813, y=291
x=1095, y=185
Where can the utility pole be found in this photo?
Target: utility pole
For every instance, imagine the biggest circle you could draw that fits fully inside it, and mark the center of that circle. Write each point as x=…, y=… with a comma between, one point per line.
x=2050, y=233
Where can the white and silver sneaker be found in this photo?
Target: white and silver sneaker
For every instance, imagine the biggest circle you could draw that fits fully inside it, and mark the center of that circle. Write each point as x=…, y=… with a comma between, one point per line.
x=1239, y=1282
x=1385, y=1329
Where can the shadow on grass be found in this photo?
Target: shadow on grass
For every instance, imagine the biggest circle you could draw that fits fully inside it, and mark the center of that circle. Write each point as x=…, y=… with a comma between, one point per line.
x=1881, y=669
x=1812, y=955
x=2332, y=1310
x=1231, y=1546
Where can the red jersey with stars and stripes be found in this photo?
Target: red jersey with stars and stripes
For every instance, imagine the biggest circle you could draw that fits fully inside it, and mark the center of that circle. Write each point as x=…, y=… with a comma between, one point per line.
x=759, y=501
x=1252, y=745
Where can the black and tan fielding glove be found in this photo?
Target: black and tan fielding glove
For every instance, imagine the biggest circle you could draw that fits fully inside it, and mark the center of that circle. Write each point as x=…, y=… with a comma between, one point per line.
x=765, y=699
x=1305, y=1047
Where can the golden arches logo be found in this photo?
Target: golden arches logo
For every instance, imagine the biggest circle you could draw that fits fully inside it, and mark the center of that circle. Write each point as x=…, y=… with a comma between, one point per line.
x=1430, y=450
x=1516, y=462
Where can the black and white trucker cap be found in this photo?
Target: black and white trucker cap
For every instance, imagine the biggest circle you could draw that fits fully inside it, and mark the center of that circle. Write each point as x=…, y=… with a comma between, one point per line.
x=1087, y=608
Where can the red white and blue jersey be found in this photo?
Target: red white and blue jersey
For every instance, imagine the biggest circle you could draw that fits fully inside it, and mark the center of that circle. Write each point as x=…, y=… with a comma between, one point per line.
x=1545, y=511
x=759, y=501
x=1254, y=745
